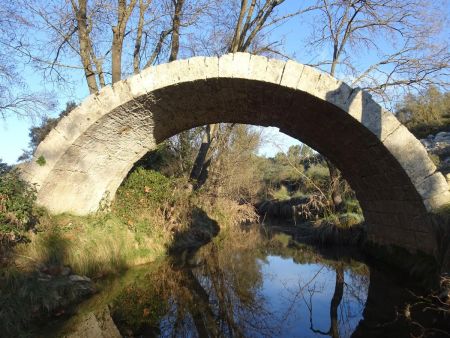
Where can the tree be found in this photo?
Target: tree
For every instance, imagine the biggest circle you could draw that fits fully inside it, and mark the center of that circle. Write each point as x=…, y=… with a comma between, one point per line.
x=400, y=38
x=413, y=58
x=426, y=112
x=252, y=19
x=95, y=36
x=15, y=97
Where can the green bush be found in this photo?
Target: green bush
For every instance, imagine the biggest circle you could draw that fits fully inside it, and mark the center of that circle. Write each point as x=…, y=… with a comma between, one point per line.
x=17, y=199
x=144, y=187
x=351, y=205
x=146, y=201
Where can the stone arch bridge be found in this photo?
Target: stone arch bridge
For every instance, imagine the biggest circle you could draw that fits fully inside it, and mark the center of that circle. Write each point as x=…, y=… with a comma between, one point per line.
x=90, y=151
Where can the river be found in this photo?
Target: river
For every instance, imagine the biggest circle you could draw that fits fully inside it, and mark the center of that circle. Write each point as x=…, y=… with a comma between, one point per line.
x=247, y=284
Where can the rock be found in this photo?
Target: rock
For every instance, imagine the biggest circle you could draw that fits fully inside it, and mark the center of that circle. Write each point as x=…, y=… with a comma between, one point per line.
x=442, y=136
x=439, y=146
x=76, y=278
x=96, y=325
x=65, y=271
x=43, y=277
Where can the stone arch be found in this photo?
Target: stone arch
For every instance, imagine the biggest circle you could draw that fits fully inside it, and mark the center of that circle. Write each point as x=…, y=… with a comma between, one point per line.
x=92, y=149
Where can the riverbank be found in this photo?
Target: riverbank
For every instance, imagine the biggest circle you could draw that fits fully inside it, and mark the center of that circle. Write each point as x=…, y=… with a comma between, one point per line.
x=249, y=283
x=59, y=259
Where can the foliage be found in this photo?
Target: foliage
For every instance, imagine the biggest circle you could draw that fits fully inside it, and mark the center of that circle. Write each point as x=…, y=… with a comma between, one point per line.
x=281, y=194
x=41, y=161
x=144, y=188
x=92, y=246
x=17, y=197
x=4, y=167
x=425, y=113
x=153, y=205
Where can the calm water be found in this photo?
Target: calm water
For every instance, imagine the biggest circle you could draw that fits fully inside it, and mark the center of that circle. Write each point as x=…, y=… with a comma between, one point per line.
x=249, y=287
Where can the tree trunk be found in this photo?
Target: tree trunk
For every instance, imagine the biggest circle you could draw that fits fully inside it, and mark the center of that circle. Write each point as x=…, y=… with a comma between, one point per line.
x=84, y=40
x=116, y=55
x=143, y=6
x=336, y=300
x=123, y=14
x=199, y=162
x=335, y=179
x=176, y=30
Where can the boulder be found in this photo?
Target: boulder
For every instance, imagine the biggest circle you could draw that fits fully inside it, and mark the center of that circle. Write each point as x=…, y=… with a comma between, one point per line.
x=96, y=325
x=439, y=145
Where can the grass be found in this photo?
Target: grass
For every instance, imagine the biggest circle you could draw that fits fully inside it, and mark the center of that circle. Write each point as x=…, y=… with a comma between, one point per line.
x=91, y=246
x=281, y=194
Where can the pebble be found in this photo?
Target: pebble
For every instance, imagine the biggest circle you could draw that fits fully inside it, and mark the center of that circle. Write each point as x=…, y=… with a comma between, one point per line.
x=76, y=278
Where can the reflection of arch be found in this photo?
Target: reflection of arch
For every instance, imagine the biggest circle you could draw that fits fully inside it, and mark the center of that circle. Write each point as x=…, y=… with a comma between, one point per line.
x=91, y=150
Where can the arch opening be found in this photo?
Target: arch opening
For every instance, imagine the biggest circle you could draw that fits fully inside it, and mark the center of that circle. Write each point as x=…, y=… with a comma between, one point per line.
x=93, y=148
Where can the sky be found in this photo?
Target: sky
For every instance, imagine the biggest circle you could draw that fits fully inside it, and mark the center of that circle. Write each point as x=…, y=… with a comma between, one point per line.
x=14, y=131
x=293, y=33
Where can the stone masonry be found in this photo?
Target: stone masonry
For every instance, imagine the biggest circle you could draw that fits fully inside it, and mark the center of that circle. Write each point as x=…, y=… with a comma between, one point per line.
x=91, y=150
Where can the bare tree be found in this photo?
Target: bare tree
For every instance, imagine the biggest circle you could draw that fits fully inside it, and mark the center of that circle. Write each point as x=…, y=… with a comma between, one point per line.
x=176, y=22
x=85, y=43
x=94, y=36
x=124, y=11
x=252, y=18
x=143, y=7
x=15, y=96
x=410, y=60
x=401, y=37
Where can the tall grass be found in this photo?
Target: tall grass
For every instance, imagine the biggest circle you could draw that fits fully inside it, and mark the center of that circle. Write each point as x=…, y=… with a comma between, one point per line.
x=90, y=246
x=149, y=210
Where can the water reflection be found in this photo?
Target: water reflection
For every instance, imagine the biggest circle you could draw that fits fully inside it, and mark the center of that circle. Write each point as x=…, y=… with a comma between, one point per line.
x=246, y=289
x=244, y=285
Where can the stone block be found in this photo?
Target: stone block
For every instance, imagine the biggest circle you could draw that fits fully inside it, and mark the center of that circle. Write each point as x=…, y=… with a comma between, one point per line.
x=437, y=201
x=410, y=153
x=258, y=66
x=309, y=80
x=226, y=66
x=274, y=71
x=211, y=67
x=292, y=74
x=241, y=65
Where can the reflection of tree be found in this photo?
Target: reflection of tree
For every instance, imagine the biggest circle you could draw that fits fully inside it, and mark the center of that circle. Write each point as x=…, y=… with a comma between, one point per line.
x=233, y=279
x=222, y=295
x=340, y=305
x=334, y=306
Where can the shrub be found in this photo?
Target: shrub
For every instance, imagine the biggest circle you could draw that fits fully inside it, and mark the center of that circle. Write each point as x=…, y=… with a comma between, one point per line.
x=281, y=194
x=17, y=199
x=153, y=205
x=143, y=188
